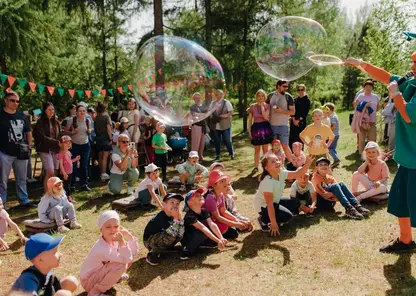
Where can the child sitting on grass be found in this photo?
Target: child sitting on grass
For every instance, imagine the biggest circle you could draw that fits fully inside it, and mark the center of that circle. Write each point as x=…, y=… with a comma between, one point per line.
x=277, y=150
x=329, y=191
x=373, y=174
x=191, y=172
x=165, y=229
x=110, y=257
x=298, y=157
x=200, y=231
x=151, y=187
x=42, y=250
x=316, y=135
x=5, y=222
x=303, y=191
x=54, y=206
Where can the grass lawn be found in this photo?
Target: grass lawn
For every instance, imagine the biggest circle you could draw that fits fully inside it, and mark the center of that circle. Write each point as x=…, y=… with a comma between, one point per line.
x=322, y=255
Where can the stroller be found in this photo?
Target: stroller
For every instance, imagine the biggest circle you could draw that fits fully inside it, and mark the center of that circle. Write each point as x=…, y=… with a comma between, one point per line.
x=179, y=143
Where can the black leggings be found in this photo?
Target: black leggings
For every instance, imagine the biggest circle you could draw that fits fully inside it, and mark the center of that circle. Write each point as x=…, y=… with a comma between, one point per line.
x=161, y=160
x=283, y=210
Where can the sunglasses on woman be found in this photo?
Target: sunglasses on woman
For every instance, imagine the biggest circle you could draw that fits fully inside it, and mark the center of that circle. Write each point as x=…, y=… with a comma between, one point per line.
x=125, y=142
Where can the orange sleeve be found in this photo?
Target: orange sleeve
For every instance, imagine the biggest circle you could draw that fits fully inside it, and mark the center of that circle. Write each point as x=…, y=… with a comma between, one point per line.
x=316, y=180
x=400, y=105
x=377, y=73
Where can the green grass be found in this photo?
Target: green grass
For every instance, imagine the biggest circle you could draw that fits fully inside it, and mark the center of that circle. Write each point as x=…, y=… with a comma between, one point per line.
x=322, y=255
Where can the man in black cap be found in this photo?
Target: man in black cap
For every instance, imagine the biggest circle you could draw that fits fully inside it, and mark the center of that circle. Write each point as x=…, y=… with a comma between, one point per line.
x=165, y=229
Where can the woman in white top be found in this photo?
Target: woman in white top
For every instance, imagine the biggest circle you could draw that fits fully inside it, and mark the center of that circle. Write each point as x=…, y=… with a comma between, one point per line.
x=125, y=163
x=133, y=115
x=79, y=128
x=269, y=203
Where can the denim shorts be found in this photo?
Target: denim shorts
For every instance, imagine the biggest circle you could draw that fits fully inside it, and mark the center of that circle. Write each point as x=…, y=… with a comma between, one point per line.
x=281, y=132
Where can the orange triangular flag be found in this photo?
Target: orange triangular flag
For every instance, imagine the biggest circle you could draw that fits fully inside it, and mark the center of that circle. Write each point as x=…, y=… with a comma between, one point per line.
x=120, y=90
x=130, y=86
x=104, y=92
x=50, y=89
x=71, y=92
x=88, y=93
x=32, y=86
x=11, y=80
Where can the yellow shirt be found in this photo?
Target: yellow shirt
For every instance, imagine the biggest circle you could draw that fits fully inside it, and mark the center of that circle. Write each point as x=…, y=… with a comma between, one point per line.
x=318, y=136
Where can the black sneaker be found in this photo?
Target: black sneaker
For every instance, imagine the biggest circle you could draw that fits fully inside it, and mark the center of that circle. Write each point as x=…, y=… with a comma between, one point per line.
x=86, y=188
x=153, y=259
x=263, y=227
x=363, y=211
x=232, y=157
x=398, y=247
x=185, y=254
x=29, y=205
x=352, y=213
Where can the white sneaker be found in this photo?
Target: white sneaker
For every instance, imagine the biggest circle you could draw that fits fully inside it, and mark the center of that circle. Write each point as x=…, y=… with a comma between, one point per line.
x=63, y=229
x=104, y=177
x=130, y=190
x=75, y=225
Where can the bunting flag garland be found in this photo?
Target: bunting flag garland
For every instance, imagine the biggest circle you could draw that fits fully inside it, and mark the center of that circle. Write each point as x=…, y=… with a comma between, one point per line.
x=32, y=86
x=41, y=88
x=120, y=90
x=130, y=87
x=71, y=92
x=95, y=93
x=51, y=89
x=88, y=93
x=11, y=80
x=110, y=91
x=61, y=91
x=3, y=78
x=22, y=83
x=104, y=92
x=80, y=93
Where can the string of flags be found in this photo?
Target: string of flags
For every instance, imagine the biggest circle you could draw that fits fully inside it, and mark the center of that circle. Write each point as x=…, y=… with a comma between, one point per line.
x=80, y=93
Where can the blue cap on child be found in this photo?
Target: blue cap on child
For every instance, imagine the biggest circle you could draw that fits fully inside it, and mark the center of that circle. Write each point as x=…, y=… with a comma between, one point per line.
x=40, y=243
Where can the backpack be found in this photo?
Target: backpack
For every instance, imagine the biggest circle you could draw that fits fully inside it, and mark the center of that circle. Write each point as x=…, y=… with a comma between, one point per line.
x=75, y=124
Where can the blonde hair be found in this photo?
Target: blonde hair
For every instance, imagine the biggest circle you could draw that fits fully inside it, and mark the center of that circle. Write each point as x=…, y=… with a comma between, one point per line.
x=379, y=154
x=51, y=193
x=120, y=137
x=261, y=91
x=196, y=94
x=317, y=110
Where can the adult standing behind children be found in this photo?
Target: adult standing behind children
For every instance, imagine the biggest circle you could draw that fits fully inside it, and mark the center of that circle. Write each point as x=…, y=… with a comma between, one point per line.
x=222, y=119
x=133, y=115
x=282, y=107
x=259, y=126
x=200, y=128
x=370, y=102
x=103, y=139
x=401, y=197
x=14, y=129
x=298, y=121
x=47, y=135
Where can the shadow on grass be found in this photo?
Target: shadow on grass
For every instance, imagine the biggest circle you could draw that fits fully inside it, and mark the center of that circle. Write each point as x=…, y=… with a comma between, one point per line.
x=111, y=292
x=142, y=274
x=98, y=202
x=247, y=185
x=399, y=276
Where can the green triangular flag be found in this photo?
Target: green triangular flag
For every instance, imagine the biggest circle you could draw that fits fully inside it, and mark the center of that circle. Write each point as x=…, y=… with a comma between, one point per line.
x=95, y=92
x=41, y=88
x=110, y=91
x=80, y=92
x=22, y=83
x=3, y=78
x=125, y=88
x=61, y=91
x=409, y=35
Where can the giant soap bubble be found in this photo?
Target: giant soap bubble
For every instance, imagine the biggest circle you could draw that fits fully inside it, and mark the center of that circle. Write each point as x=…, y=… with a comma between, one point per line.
x=168, y=71
x=283, y=46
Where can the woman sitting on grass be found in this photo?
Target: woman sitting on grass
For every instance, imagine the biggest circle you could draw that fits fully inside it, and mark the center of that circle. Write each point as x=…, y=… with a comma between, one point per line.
x=373, y=174
x=269, y=203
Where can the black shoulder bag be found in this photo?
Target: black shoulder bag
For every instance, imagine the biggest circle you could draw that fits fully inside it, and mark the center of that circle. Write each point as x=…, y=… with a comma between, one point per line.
x=23, y=150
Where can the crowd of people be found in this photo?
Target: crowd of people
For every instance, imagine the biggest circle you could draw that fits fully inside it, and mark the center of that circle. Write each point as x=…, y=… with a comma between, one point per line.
x=277, y=127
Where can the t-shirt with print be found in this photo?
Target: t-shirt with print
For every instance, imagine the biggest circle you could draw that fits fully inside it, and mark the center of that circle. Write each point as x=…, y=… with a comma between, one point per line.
x=33, y=282
x=192, y=217
x=146, y=182
x=318, y=180
x=3, y=223
x=405, y=150
x=159, y=223
x=374, y=101
x=66, y=157
x=334, y=121
x=319, y=136
x=18, y=121
x=296, y=188
x=213, y=202
x=282, y=102
x=160, y=140
x=255, y=111
x=268, y=184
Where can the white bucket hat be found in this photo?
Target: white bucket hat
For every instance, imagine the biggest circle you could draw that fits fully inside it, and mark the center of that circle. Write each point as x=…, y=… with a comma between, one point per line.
x=151, y=168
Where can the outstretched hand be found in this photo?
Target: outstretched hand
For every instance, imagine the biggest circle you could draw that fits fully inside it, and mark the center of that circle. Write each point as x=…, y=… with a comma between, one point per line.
x=353, y=62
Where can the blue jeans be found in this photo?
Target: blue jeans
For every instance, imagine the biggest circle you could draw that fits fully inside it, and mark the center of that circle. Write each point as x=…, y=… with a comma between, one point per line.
x=333, y=149
x=344, y=195
x=20, y=172
x=226, y=137
x=81, y=172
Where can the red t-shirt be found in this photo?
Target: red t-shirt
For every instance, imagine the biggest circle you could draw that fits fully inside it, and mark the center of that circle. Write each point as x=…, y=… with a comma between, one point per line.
x=66, y=157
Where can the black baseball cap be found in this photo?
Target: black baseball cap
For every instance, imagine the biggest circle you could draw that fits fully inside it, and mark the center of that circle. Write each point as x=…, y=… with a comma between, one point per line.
x=322, y=159
x=173, y=195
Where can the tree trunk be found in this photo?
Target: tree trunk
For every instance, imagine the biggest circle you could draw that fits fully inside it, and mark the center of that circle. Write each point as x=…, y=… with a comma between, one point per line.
x=3, y=64
x=245, y=59
x=208, y=43
x=159, y=46
x=103, y=45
